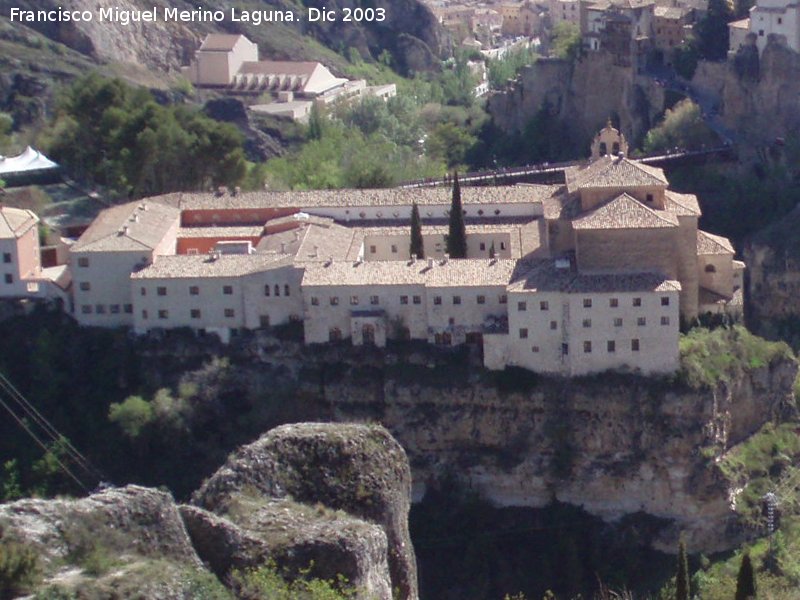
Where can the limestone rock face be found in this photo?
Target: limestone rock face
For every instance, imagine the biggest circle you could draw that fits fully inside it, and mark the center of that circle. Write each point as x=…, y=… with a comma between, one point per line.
x=583, y=95
x=122, y=543
x=773, y=269
x=614, y=445
x=358, y=469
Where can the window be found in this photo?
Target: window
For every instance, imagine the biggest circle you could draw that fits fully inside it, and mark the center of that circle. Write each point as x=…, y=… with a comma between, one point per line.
x=394, y=249
x=286, y=289
x=503, y=299
x=649, y=198
x=374, y=300
x=634, y=345
x=618, y=322
x=417, y=299
x=587, y=323
x=451, y=321
x=277, y=290
x=83, y=261
x=456, y=299
x=710, y=269
x=611, y=346
x=266, y=290
x=502, y=244
x=334, y=334
x=564, y=349
x=354, y=300
x=613, y=302
x=522, y=306
x=664, y=300
x=100, y=309
x=195, y=313
x=227, y=290
x=114, y=309
x=637, y=301
x=761, y=32
x=780, y=20
x=194, y=290
x=587, y=347
x=143, y=291
x=437, y=300
x=161, y=291
x=523, y=333
x=128, y=309
x=534, y=348
x=334, y=300
x=553, y=325
x=481, y=299
x=86, y=309
x=144, y=314
x=665, y=320
x=373, y=250
x=163, y=314
x=483, y=246
x=641, y=321
x=85, y=286
x=314, y=301
x=544, y=305
x=403, y=299
x=587, y=303
x=229, y=313
x=9, y=278
x=6, y=257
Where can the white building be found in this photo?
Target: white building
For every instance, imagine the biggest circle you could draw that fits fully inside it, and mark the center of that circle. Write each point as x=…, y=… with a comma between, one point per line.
x=779, y=18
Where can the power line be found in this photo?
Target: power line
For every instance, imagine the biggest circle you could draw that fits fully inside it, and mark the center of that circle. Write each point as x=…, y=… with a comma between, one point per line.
x=40, y=443
x=49, y=429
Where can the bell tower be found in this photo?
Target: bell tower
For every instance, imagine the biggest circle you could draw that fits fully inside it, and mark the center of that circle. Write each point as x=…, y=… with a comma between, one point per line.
x=609, y=141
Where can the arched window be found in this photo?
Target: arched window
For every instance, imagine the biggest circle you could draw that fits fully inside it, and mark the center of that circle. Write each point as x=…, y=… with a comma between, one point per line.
x=711, y=269
x=277, y=290
x=603, y=149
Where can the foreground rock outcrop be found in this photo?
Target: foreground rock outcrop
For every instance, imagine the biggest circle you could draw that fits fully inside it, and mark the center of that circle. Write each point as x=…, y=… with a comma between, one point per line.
x=284, y=494
x=323, y=499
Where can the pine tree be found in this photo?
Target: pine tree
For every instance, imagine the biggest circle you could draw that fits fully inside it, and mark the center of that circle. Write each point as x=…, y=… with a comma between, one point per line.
x=492, y=251
x=457, y=233
x=682, y=577
x=746, y=580
x=417, y=246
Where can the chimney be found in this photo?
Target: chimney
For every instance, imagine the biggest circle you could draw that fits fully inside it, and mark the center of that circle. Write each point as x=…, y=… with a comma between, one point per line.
x=283, y=247
x=123, y=230
x=413, y=258
x=221, y=190
x=430, y=263
x=316, y=251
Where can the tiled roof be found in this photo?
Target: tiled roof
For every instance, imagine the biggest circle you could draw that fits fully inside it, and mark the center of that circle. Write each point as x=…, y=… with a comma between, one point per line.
x=458, y=273
x=545, y=277
x=708, y=243
x=625, y=212
x=669, y=12
x=205, y=266
x=372, y=197
x=614, y=171
x=133, y=226
x=222, y=42
x=14, y=222
x=682, y=204
x=220, y=232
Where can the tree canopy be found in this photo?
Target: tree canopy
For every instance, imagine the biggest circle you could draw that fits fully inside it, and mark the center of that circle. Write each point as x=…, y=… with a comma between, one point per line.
x=110, y=133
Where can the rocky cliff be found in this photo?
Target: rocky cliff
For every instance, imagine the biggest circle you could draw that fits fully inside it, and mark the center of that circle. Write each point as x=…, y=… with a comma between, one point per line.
x=773, y=278
x=584, y=94
x=324, y=500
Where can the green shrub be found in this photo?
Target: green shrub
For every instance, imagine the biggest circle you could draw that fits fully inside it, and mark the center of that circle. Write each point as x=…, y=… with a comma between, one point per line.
x=19, y=568
x=268, y=582
x=719, y=356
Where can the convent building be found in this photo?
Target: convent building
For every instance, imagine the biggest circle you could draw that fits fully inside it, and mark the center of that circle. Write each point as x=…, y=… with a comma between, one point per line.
x=591, y=275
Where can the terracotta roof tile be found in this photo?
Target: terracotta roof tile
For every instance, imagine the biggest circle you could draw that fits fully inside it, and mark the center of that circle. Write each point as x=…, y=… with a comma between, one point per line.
x=625, y=212
x=708, y=243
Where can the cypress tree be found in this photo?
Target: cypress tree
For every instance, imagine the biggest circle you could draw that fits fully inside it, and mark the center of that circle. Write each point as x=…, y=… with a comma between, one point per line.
x=682, y=576
x=457, y=233
x=746, y=580
x=417, y=246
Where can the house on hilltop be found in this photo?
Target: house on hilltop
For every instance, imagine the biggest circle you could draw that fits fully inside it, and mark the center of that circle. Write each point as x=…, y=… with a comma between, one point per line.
x=231, y=64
